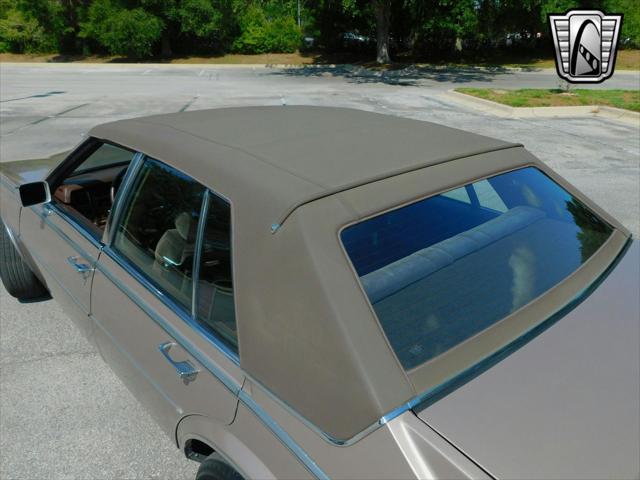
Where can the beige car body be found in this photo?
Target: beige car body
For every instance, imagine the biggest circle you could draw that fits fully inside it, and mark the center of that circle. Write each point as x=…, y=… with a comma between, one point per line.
x=330, y=402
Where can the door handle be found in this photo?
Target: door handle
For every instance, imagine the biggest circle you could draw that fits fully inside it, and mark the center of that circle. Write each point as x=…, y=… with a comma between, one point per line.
x=80, y=267
x=186, y=370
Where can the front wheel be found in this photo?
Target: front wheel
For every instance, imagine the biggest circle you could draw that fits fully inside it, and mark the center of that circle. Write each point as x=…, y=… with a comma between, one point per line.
x=16, y=275
x=216, y=468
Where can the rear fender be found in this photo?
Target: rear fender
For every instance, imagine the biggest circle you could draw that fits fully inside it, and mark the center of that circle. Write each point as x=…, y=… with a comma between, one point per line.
x=218, y=437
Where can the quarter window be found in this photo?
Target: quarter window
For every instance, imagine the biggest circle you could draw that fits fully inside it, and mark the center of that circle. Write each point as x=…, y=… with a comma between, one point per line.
x=215, y=305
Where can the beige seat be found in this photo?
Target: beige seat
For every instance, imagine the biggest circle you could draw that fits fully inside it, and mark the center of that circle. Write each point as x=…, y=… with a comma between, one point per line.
x=174, y=253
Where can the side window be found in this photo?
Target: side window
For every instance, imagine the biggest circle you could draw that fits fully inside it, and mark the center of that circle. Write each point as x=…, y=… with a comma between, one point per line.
x=87, y=192
x=215, y=305
x=158, y=226
x=106, y=156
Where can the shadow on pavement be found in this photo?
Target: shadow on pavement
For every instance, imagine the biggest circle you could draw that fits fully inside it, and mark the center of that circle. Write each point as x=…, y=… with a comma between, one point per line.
x=408, y=76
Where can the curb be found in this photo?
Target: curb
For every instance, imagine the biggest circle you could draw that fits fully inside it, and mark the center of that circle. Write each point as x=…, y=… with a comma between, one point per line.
x=170, y=65
x=499, y=109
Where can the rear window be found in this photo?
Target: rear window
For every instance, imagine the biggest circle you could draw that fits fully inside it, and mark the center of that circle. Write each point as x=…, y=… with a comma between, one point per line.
x=445, y=268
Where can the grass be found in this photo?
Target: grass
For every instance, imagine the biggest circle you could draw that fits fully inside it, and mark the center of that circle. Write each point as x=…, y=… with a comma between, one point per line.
x=627, y=99
x=626, y=60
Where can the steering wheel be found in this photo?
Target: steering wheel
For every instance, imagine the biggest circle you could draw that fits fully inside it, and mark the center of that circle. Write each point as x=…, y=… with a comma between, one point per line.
x=115, y=185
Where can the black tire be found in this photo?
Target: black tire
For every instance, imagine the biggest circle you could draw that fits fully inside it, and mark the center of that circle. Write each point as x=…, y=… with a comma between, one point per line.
x=216, y=468
x=16, y=275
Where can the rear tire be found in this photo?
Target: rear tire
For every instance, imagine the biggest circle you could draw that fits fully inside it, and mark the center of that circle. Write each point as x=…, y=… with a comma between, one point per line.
x=216, y=468
x=16, y=275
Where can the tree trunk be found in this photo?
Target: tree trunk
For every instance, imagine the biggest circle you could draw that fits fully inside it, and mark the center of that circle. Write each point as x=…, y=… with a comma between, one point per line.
x=165, y=45
x=382, y=10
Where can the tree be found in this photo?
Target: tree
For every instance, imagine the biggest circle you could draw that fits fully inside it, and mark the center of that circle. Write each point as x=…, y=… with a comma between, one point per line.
x=382, y=9
x=120, y=30
x=19, y=34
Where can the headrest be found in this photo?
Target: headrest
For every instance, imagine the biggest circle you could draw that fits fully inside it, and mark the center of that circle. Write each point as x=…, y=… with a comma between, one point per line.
x=186, y=226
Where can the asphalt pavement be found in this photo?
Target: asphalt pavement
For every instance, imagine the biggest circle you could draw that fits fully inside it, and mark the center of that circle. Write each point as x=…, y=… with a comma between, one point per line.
x=63, y=414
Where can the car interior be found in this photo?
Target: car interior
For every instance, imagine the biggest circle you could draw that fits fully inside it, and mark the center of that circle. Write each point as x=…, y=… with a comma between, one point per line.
x=87, y=193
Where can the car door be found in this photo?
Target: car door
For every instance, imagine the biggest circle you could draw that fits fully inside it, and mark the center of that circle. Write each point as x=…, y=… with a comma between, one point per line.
x=162, y=298
x=63, y=242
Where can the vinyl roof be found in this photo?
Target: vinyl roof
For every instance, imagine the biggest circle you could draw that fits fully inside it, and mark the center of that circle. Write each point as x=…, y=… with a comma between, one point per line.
x=309, y=152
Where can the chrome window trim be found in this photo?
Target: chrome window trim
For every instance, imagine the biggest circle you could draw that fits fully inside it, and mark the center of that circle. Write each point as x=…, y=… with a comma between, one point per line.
x=204, y=210
x=205, y=361
x=54, y=208
x=40, y=211
x=188, y=317
x=171, y=330
x=116, y=209
x=179, y=310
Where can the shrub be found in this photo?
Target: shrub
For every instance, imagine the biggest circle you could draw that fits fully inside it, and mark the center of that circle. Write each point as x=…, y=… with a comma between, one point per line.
x=19, y=34
x=121, y=31
x=260, y=34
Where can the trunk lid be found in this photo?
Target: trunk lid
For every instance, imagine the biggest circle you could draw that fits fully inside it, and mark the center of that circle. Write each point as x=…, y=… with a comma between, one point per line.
x=566, y=404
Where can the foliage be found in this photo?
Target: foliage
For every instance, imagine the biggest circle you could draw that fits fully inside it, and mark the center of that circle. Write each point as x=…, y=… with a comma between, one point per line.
x=122, y=31
x=439, y=29
x=444, y=26
x=630, y=23
x=21, y=35
x=30, y=26
x=261, y=33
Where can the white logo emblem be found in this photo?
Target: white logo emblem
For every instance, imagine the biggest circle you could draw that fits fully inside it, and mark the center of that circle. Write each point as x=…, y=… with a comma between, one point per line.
x=586, y=42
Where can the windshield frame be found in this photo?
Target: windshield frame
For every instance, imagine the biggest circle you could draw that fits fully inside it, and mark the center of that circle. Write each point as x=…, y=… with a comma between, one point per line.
x=432, y=375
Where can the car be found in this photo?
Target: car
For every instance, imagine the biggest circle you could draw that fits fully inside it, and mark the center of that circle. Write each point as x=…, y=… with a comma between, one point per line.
x=314, y=292
x=353, y=40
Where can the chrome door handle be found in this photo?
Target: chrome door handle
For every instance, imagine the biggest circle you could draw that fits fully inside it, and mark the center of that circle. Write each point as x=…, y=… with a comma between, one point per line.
x=186, y=370
x=80, y=267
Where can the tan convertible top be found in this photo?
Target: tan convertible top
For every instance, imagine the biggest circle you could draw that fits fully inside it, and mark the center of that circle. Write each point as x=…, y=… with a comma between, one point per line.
x=306, y=330
x=314, y=151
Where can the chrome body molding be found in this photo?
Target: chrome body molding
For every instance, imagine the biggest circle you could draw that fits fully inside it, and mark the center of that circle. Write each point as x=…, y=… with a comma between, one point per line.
x=13, y=189
x=282, y=435
x=419, y=401
x=204, y=360
x=45, y=211
x=163, y=323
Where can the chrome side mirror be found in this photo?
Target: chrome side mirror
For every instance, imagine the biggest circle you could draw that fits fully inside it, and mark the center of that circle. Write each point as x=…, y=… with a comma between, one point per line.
x=34, y=193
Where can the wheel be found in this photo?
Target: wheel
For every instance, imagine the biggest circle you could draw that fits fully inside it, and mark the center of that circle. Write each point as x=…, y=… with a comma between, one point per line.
x=216, y=468
x=16, y=275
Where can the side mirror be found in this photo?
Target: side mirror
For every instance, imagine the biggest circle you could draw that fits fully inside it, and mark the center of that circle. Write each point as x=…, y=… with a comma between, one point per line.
x=34, y=193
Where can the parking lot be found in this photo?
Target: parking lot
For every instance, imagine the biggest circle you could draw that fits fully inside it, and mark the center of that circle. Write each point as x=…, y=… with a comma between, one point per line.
x=63, y=414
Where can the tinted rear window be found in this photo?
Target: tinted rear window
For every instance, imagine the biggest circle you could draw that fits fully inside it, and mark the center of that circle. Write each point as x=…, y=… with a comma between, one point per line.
x=443, y=269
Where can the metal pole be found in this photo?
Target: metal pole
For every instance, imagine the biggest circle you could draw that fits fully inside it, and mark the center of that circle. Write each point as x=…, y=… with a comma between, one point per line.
x=299, y=22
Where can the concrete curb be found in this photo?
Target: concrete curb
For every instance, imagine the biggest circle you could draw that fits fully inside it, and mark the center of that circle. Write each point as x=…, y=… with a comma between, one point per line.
x=169, y=65
x=626, y=116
